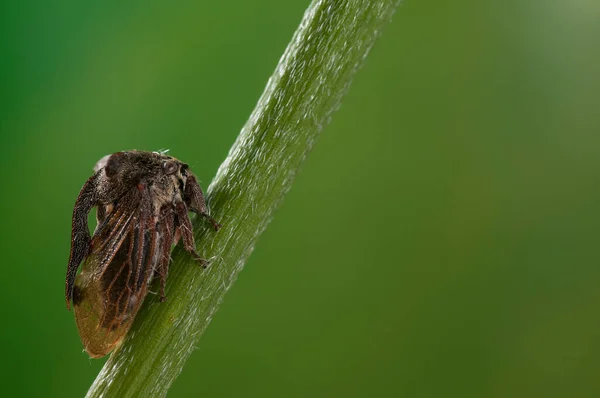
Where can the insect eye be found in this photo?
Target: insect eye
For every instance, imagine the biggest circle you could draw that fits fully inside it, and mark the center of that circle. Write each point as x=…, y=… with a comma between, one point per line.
x=170, y=167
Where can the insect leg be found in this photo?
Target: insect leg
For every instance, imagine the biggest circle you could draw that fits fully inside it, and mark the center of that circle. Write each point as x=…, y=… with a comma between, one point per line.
x=185, y=229
x=80, y=234
x=166, y=228
x=194, y=198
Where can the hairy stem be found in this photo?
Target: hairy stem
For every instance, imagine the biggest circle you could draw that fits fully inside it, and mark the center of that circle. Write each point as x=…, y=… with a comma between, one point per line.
x=307, y=86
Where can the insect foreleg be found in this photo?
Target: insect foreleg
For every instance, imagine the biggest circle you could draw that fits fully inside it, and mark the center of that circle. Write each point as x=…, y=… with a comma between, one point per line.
x=184, y=227
x=194, y=198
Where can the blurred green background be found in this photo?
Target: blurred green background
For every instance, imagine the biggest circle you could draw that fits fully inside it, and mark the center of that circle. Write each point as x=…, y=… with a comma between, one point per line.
x=441, y=240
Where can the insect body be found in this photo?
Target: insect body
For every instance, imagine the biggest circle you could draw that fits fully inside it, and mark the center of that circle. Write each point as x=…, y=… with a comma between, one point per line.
x=142, y=201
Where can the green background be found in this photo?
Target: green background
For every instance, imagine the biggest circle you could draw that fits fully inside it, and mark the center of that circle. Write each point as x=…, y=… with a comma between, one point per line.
x=441, y=240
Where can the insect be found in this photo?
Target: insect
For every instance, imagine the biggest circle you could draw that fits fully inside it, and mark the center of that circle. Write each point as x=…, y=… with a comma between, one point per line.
x=142, y=200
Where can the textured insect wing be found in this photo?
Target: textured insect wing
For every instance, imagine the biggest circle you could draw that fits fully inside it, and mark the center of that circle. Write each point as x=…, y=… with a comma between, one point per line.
x=115, y=276
x=99, y=329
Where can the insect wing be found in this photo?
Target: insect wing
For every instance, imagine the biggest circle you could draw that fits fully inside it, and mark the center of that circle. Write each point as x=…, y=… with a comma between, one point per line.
x=115, y=276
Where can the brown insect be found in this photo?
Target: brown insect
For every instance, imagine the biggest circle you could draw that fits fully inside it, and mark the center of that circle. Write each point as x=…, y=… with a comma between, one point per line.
x=142, y=201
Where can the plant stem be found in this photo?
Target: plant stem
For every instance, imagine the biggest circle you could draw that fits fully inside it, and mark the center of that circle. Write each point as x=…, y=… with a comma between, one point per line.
x=307, y=86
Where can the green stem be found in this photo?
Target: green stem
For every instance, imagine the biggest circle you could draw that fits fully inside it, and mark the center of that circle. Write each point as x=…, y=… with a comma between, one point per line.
x=306, y=88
